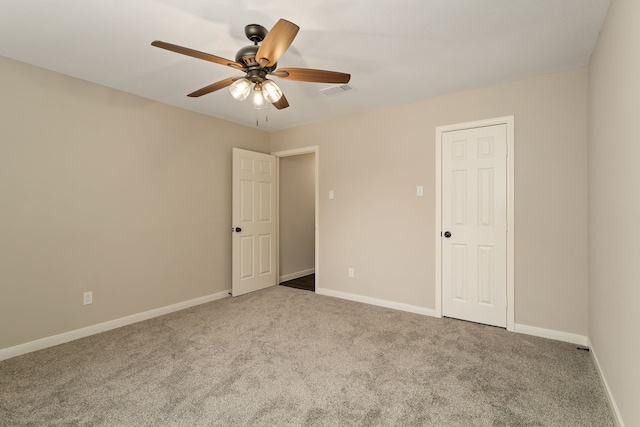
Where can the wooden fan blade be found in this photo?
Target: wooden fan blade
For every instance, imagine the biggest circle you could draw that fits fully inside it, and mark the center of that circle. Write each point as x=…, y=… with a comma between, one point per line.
x=309, y=75
x=213, y=87
x=281, y=103
x=276, y=43
x=197, y=54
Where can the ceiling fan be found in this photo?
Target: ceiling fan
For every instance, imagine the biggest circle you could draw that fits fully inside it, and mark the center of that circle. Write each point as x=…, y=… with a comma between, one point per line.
x=258, y=62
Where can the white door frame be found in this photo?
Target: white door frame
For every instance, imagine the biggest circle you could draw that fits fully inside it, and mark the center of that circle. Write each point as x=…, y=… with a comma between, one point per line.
x=509, y=122
x=295, y=152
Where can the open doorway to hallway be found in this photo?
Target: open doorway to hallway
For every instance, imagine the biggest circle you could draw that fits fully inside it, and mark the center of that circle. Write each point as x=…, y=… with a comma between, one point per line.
x=297, y=220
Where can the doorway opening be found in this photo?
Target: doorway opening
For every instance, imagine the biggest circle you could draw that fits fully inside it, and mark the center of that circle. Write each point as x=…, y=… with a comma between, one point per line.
x=297, y=217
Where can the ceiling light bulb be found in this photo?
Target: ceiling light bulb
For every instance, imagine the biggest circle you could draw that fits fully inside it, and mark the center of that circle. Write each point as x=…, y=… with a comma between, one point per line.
x=240, y=89
x=271, y=91
x=259, y=102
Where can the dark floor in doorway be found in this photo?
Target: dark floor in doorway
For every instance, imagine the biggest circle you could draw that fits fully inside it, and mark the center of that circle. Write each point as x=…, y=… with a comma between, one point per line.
x=307, y=283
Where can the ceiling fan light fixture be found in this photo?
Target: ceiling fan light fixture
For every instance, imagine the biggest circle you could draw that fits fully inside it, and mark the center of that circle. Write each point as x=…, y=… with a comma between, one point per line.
x=271, y=91
x=257, y=62
x=258, y=98
x=240, y=89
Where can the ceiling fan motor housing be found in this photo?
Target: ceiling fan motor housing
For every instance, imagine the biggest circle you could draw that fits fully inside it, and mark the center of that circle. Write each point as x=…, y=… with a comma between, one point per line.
x=247, y=56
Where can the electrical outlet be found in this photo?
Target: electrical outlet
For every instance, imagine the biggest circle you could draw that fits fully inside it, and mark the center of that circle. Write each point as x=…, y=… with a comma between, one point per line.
x=87, y=298
x=351, y=272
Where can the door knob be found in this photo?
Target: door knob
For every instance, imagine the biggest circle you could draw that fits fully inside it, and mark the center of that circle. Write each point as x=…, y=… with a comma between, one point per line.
x=447, y=234
x=237, y=229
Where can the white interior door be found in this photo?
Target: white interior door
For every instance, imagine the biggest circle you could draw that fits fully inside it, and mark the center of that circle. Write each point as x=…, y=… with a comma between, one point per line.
x=254, y=221
x=474, y=224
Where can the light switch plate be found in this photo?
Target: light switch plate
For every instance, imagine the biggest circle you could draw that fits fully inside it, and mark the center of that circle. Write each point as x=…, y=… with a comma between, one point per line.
x=87, y=298
x=330, y=194
x=419, y=190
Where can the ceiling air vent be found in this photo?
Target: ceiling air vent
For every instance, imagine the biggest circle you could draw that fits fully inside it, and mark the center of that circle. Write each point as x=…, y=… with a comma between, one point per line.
x=336, y=90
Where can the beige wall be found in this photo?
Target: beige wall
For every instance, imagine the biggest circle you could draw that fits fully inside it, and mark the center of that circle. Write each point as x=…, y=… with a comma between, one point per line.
x=297, y=214
x=614, y=205
x=106, y=192
x=128, y=198
x=376, y=224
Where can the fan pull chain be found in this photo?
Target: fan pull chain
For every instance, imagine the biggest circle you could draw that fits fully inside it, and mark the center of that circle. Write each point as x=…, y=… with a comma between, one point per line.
x=266, y=118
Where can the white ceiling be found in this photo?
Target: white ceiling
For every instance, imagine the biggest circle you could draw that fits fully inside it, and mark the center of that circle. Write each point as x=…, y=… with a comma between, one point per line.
x=396, y=51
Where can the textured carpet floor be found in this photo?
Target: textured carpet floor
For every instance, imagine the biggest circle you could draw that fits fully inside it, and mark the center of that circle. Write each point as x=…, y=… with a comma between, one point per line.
x=283, y=356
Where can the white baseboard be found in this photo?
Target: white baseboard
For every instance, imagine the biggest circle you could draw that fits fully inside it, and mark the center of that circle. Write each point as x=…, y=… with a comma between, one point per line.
x=519, y=328
x=379, y=302
x=612, y=403
x=297, y=275
x=551, y=334
x=40, y=344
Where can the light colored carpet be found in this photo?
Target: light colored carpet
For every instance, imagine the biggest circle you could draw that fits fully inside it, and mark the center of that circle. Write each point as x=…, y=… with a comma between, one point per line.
x=284, y=356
